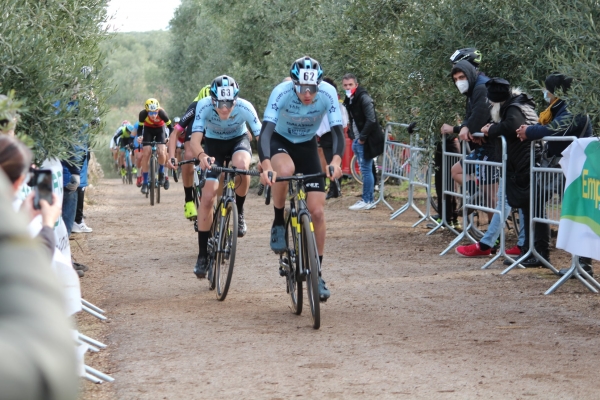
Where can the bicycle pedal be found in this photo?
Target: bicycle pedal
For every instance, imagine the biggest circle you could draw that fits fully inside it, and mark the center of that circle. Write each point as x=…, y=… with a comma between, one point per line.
x=282, y=272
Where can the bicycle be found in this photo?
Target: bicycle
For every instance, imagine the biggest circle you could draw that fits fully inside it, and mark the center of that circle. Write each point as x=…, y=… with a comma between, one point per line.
x=300, y=261
x=224, y=230
x=153, y=185
x=127, y=174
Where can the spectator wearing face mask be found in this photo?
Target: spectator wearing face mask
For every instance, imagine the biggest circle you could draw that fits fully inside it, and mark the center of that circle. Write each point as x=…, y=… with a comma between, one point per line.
x=510, y=109
x=557, y=120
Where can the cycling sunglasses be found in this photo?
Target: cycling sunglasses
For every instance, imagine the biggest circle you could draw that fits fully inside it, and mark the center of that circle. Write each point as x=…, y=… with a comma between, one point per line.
x=153, y=113
x=223, y=103
x=312, y=89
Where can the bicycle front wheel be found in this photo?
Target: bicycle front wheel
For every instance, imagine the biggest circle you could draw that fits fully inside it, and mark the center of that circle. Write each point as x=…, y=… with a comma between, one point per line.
x=310, y=259
x=288, y=261
x=226, y=249
x=152, y=179
x=355, y=169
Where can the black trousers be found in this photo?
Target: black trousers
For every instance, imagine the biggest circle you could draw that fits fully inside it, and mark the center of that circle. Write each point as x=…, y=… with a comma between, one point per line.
x=79, y=210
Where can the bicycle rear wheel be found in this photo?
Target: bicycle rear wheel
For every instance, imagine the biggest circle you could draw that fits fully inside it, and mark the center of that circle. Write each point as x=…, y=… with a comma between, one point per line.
x=288, y=261
x=152, y=180
x=356, y=174
x=310, y=260
x=225, y=259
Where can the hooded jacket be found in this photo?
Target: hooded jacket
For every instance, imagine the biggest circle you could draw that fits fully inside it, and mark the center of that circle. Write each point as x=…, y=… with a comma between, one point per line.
x=361, y=112
x=477, y=109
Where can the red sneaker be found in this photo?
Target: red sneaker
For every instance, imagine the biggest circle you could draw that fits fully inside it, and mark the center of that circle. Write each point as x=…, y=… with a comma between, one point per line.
x=513, y=251
x=139, y=181
x=472, y=250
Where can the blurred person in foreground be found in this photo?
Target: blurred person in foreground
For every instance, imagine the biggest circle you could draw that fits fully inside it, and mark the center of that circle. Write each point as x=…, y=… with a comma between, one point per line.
x=38, y=354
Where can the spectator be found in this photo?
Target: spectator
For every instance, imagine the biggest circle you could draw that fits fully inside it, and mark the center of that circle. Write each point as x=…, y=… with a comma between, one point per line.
x=367, y=135
x=557, y=120
x=15, y=159
x=79, y=226
x=38, y=357
x=470, y=82
x=510, y=110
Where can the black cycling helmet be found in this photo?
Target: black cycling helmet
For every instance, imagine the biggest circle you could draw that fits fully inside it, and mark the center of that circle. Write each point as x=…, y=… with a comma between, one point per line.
x=471, y=54
x=224, y=88
x=312, y=73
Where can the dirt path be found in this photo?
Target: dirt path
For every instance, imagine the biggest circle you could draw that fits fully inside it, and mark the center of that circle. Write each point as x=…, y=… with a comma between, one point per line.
x=402, y=321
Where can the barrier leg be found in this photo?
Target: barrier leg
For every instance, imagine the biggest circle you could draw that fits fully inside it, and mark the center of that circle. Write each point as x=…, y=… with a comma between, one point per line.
x=578, y=272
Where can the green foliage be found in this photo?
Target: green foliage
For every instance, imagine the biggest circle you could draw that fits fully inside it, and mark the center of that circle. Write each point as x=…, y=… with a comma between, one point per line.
x=135, y=65
x=43, y=47
x=398, y=49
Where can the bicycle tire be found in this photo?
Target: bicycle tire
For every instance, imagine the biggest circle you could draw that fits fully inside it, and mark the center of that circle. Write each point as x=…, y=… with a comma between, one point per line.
x=290, y=259
x=158, y=187
x=213, y=246
x=152, y=180
x=311, y=264
x=355, y=171
x=227, y=247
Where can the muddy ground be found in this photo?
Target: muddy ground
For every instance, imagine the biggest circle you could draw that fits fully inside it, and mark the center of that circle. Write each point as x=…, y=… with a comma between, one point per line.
x=402, y=322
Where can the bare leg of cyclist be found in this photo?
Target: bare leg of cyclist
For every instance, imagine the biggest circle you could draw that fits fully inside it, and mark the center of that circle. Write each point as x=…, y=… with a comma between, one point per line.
x=187, y=176
x=162, y=158
x=205, y=216
x=146, y=152
x=241, y=159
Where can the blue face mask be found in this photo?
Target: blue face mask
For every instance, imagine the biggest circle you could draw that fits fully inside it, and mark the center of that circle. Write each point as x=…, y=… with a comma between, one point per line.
x=547, y=96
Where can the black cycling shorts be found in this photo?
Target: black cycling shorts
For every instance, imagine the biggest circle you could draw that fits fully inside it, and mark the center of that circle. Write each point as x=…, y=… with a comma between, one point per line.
x=305, y=158
x=154, y=134
x=188, y=132
x=222, y=150
x=125, y=142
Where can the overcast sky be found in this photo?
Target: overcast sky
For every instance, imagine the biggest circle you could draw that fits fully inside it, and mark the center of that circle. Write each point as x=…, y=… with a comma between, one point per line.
x=140, y=15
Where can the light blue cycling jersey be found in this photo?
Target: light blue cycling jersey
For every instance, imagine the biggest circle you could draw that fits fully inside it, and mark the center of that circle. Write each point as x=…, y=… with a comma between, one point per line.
x=208, y=121
x=298, y=122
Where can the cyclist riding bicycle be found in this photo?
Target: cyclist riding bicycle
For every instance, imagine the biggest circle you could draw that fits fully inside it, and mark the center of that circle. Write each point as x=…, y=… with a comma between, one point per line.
x=137, y=155
x=115, y=143
x=187, y=171
x=126, y=133
x=152, y=121
x=221, y=120
x=288, y=145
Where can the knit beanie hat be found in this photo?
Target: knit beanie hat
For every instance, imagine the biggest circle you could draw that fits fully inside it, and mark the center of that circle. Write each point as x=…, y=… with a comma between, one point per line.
x=557, y=80
x=498, y=90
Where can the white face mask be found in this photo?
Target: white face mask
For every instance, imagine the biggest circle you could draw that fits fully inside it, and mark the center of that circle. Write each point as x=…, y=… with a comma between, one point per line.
x=349, y=93
x=462, y=86
x=546, y=96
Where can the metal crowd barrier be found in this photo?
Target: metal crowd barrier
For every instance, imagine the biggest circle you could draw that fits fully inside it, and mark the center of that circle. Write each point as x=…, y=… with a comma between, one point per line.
x=545, y=202
x=93, y=345
x=407, y=163
x=491, y=181
x=448, y=187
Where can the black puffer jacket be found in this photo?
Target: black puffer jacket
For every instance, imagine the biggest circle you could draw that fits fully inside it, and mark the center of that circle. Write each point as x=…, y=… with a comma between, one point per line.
x=361, y=111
